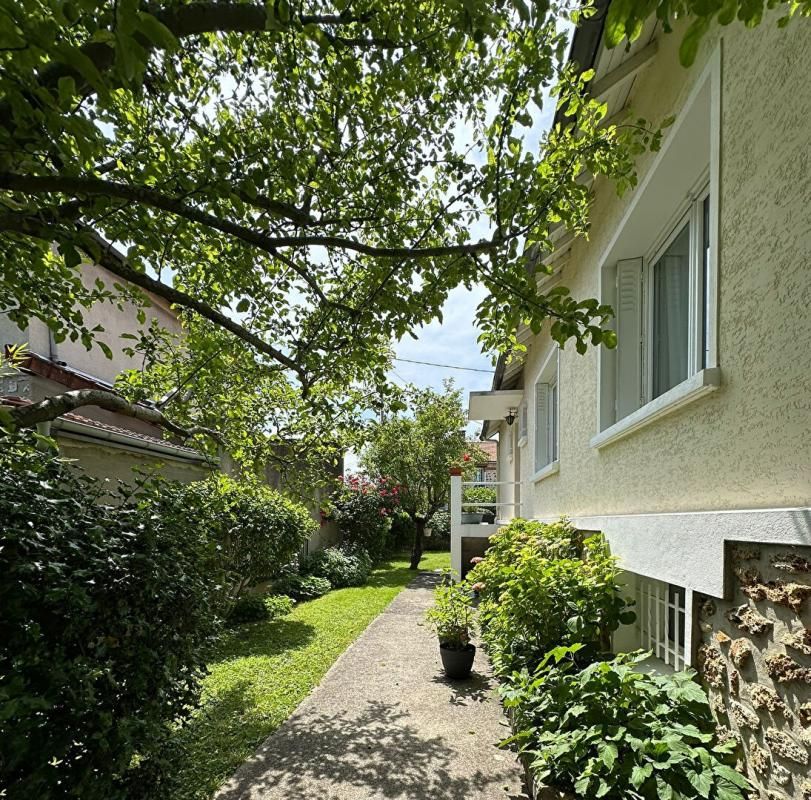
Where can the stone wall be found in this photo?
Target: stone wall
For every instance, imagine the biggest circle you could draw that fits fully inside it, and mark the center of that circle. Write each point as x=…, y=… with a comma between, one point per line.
x=754, y=657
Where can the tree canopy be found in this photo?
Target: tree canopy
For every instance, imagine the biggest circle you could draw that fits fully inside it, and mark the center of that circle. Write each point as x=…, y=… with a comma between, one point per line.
x=306, y=181
x=417, y=449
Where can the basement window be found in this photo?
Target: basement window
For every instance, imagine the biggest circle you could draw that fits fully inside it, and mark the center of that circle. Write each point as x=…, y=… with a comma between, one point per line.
x=661, y=620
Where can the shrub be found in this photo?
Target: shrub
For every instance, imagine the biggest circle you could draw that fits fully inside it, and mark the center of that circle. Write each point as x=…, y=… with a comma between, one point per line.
x=255, y=608
x=302, y=587
x=278, y=605
x=105, y=616
x=440, y=538
x=612, y=731
x=254, y=530
x=363, y=510
x=479, y=494
x=401, y=535
x=542, y=586
x=340, y=566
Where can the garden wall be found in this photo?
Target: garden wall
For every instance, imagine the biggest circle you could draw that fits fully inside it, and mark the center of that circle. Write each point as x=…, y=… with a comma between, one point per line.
x=754, y=657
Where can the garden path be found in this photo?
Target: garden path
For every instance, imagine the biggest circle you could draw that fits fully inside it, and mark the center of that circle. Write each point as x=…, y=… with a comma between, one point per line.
x=385, y=724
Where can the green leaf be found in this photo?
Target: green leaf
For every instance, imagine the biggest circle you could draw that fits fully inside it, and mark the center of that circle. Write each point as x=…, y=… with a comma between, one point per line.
x=157, y=32
x=692, y=39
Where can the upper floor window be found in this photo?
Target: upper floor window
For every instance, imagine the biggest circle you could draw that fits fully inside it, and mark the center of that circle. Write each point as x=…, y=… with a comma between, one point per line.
x=659, y=272
x=547, y=413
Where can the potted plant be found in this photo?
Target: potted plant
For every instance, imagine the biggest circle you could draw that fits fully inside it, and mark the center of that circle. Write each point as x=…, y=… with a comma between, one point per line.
x=451, y=617
x=478, y=494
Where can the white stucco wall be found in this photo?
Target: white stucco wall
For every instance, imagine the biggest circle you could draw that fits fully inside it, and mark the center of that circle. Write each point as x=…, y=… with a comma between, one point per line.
x=745, y=445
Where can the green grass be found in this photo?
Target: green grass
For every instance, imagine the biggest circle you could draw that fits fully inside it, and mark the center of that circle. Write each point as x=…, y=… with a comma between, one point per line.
x=260, y=672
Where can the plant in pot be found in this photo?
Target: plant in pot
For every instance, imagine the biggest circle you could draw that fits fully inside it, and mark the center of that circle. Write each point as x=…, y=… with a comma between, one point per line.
x=452, y=618
x=478, y=494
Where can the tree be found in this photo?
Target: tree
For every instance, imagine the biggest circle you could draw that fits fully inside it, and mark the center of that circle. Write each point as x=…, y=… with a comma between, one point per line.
x=416, y=450
x=300, y=179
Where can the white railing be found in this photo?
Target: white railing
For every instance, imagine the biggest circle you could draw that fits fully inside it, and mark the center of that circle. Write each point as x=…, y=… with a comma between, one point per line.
x=461, y=528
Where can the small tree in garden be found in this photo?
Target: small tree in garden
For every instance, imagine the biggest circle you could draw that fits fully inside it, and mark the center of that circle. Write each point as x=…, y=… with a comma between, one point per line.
x=417, y=450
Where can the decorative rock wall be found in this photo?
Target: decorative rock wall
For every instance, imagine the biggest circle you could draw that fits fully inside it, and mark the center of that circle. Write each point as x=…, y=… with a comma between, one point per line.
x=754, y=657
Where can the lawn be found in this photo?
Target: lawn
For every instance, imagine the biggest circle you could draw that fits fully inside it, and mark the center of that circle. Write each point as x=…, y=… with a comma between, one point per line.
x=262, y=671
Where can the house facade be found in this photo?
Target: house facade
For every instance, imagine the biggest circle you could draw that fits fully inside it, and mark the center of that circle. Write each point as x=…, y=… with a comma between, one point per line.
x=107, y=445
x=688, y=445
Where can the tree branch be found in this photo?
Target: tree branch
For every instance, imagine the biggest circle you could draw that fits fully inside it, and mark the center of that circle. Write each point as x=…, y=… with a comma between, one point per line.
x=108, y=257
x=42, y=184
x=183, y=21
x=59, y=404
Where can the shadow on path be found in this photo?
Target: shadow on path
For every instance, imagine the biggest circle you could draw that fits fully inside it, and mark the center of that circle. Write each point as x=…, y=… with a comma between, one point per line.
x=377, y=754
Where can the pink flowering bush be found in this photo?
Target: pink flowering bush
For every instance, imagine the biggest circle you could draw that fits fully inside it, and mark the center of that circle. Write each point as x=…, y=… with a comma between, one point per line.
x=363, y=509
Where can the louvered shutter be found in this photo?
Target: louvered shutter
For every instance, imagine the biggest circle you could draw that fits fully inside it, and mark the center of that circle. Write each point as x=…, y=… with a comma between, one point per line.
x=541, y=428
x=629, y=334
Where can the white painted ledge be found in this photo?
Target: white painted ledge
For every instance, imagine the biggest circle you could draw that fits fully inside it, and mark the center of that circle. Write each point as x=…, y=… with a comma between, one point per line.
x=549, y=469
x=703, y=382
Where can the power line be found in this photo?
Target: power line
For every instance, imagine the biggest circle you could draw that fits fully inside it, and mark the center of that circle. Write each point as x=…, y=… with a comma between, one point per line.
x=446, y=366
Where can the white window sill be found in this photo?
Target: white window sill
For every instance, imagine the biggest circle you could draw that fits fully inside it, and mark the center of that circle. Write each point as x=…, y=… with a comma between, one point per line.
x=703, y=382
x=545, y=472
x=522, y=441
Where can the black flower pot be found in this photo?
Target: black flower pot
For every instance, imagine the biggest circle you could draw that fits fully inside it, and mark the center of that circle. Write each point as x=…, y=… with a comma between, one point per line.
x=456, y=662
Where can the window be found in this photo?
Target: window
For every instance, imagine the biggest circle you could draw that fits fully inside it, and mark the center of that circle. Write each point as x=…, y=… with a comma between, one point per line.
x=662, y=315
x=660, y=621
x=546, y=414
x=659, y=275
x=522, y=422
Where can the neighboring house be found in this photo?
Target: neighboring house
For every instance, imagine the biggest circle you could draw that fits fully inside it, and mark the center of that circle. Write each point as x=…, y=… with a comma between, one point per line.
x=689, y=446
x=486, y=471
x=105, y=444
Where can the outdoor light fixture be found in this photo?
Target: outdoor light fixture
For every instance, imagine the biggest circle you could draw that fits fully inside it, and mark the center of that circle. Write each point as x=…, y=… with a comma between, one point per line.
x=510, y=418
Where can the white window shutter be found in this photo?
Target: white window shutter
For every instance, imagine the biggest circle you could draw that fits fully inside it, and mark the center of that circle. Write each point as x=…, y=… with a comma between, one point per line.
x=629, y=333
x=541, y=428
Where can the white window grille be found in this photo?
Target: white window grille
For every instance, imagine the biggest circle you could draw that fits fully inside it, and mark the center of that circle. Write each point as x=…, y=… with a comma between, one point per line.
x=661, y=620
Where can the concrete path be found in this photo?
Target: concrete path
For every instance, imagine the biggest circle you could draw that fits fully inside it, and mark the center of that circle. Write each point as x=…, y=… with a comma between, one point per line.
x=386, y=725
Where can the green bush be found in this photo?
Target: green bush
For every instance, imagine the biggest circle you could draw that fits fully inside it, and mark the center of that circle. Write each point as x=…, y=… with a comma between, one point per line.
x=340, y=566
x=363, y=509
x=254, y=530
x=255, y=608
x=614, y=732
x=542, y=586
x=479, y=494
x=105, y=617
x=278, y=605
x=302, y=587
x=440, y=525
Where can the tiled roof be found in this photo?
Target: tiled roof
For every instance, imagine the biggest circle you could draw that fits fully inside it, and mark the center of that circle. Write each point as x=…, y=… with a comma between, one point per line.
x=106, y=426
x=489, y=447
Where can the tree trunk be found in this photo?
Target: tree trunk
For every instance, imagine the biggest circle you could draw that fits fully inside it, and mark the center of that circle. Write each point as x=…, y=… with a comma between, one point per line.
x=419, y=536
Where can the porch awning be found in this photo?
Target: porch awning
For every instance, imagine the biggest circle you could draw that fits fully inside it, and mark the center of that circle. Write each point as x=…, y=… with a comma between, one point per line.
x=495, y=404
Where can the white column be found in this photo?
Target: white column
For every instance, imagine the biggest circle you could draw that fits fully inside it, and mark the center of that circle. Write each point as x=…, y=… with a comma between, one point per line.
x=456, y=525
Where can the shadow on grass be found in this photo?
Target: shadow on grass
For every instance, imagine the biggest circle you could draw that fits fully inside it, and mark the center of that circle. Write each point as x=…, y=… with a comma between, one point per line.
x=268, y=638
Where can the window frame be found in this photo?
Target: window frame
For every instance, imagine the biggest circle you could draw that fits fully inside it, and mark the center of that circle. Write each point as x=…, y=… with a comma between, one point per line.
x=549, y=427
x=689, y=213
x=705, y=376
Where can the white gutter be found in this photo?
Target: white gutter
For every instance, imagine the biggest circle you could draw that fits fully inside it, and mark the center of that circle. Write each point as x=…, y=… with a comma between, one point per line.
x=77, y=430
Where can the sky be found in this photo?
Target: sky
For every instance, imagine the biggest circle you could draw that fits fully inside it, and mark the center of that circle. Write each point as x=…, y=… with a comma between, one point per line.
x=453, y=341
